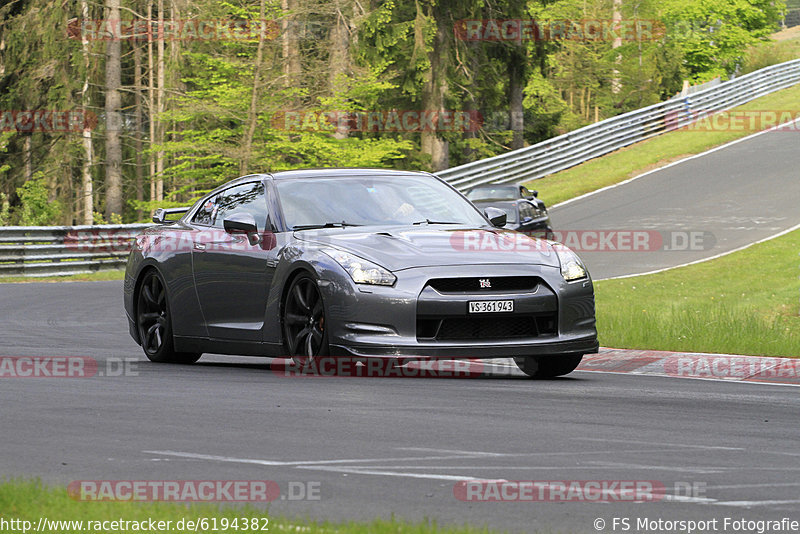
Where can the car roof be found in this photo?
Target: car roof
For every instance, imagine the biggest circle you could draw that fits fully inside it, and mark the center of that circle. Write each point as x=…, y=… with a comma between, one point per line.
x=499, y=202
x=341, y=172
x=495, y=186
x=315, y=173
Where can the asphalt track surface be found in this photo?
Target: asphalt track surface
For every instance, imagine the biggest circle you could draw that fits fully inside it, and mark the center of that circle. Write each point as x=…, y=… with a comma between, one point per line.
x=724, y=200
x=381, y=446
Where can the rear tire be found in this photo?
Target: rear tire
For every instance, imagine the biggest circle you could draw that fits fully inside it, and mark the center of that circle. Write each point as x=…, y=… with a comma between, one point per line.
x=154, y=324
x=548, y=366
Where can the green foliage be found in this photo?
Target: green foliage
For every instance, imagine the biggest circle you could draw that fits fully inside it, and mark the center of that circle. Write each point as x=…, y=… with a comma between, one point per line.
x=713, y=35
x=5, y=216
x=721, y=306
x=36, y=209
x=394, y=51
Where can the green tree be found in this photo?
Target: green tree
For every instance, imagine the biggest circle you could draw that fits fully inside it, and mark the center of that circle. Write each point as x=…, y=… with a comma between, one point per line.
x=36, y=209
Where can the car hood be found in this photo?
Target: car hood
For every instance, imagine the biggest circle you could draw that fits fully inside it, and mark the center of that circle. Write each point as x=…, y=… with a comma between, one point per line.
x=403, y=247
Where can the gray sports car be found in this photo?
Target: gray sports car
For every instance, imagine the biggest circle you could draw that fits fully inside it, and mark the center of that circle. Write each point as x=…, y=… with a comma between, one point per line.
x=355, y=264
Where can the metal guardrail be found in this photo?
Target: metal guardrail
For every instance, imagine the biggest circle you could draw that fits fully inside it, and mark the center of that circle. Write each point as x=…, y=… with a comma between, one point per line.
x=565, y=151
x=64, y=250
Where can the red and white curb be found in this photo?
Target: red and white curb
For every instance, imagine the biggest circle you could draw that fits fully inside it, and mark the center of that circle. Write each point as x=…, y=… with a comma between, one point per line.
x=731, y=367
x=726, y=367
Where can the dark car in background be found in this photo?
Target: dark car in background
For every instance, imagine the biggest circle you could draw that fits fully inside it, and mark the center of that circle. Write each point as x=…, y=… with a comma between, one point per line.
x=357, y=264
x=523, y=216
x=525, y=212
x=480, y=193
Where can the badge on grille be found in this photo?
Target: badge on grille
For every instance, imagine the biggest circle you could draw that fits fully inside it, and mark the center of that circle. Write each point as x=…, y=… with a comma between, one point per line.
x=484, y=283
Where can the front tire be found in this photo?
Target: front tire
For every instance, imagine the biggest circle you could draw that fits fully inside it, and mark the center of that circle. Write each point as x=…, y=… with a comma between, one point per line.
x=154, y=324
x=548, y=366
x=304, y=329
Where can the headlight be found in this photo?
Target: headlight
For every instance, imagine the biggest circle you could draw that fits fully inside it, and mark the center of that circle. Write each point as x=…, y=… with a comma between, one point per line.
x=571, y=265
x=361, y=270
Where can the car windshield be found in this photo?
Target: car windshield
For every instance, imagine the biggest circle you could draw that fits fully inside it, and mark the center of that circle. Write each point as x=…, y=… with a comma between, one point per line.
x=373, y=201
x=496, y=193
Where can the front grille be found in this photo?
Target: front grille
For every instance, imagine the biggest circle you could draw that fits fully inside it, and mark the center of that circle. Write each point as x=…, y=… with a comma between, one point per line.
x=473, y=285
x=485, y=328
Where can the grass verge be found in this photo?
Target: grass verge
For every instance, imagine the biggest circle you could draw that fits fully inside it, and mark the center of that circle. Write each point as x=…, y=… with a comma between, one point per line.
x=656, y=152
x=743, y=303
x=100, y=276
x=30, y=501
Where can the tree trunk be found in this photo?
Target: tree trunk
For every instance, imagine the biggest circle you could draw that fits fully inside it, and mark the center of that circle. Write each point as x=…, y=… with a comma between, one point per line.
x=113, y=120
x=87, y=187
x=26, y=156
x=433, y=93
x=339, y=59
x=139, y=125
x=470, y=100
x=616, y=17
x=160, y=106
x=516, y=84
x=291, y=53
x=252, y=114
x=151, y=103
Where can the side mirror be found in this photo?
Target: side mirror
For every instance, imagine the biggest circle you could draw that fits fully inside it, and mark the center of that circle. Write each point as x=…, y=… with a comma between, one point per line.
x=243, y=223
x=535, y=193
x=496, y=216
x=161, y=214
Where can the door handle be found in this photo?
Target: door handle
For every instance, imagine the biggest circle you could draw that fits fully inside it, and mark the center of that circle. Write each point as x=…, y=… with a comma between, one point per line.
x=199, y=246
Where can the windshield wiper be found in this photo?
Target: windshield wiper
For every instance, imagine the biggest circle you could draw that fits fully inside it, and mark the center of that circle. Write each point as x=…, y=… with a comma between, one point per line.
x=428, y=221
x=326, y=225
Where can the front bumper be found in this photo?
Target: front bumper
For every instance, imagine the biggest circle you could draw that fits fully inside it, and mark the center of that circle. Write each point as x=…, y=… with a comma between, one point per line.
x=375, y=321
x=587, y=345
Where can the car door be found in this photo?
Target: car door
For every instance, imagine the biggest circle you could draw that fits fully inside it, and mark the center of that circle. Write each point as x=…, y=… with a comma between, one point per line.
x=233, y=274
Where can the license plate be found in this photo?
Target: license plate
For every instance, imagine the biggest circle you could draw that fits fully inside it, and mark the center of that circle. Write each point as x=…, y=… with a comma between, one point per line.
x=491, y=306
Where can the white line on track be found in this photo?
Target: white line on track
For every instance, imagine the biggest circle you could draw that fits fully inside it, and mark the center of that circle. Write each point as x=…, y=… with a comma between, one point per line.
x=742, y=486
x=450, y=451
x=670, y=468
x=404, y=471
x=667, y=166
x=662, y=444
x=370, y=471
x=695, y=262
x=748, y=504
x=660, y=375
x=277, y=463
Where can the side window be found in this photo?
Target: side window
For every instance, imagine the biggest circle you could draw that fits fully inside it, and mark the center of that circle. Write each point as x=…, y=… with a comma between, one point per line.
x=245, y=198
x=206, y=213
